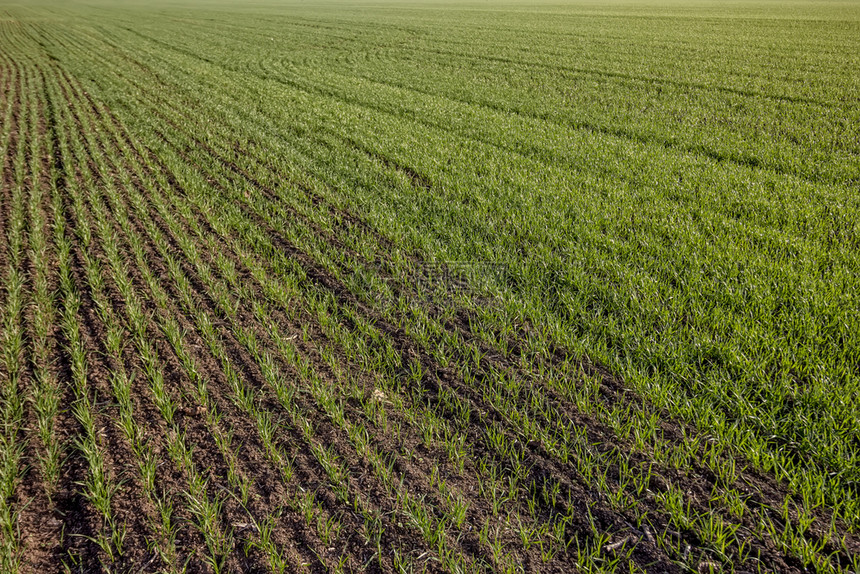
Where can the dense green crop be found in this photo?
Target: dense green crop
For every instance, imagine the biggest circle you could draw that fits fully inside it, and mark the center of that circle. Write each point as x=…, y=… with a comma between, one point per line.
x=458, y=287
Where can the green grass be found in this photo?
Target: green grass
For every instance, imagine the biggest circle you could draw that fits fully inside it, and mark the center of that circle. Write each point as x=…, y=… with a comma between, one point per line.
x=456, y=266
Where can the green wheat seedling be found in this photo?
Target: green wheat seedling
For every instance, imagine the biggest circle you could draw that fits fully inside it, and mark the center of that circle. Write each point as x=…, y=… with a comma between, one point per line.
x=99, y=486
x=246, y=401
x=180, y=452
x=445, y=269
x=46, y=394
x=12, y=340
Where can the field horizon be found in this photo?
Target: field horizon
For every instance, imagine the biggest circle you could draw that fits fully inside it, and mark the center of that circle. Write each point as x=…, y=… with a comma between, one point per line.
x=430, y=286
